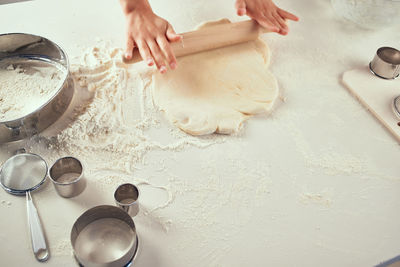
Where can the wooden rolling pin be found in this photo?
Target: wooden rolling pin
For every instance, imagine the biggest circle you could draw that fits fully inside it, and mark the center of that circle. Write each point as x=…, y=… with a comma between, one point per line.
x=211, y=38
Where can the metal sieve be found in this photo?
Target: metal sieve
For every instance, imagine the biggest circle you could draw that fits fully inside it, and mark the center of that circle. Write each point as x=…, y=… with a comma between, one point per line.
x=20, y=175
x=21, y=46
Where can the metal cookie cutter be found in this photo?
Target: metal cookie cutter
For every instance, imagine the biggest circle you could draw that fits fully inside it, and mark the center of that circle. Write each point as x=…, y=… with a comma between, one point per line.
x=386, y=63
x=396, y=106
x=67, y=177
x=105, y=236
x=126, y=197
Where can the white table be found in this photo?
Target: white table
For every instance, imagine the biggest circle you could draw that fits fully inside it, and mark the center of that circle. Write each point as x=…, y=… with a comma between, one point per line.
x=315, y=184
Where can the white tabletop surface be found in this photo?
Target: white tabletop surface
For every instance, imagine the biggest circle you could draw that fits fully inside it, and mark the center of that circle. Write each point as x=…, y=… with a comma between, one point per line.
x=317, y=183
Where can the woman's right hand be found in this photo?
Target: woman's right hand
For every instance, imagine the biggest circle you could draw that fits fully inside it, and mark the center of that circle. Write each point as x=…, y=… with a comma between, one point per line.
x=150, y=34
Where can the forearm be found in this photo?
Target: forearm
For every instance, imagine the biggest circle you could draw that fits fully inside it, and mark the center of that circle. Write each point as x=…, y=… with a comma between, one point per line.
x=130, y=5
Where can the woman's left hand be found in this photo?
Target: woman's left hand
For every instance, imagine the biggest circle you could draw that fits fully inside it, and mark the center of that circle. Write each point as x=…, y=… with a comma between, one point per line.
x=266, y=13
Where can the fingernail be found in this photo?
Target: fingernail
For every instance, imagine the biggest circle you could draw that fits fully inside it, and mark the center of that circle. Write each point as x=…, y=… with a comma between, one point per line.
x=128, y=55
x=173, y=65
x=179, y=37
x=163, y=69
x=150, y=62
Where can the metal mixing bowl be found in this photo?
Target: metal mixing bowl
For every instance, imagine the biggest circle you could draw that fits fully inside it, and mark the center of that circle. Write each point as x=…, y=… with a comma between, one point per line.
x=370, y=14
x=37, y=48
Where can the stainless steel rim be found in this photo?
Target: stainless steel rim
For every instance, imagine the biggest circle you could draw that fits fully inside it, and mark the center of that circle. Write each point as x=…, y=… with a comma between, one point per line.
x=396, y=106
x=130, y=263
x=45, y=115
x=59, y=89
x=376, y=74
x=69, y=183
x=23, y=192
x=99, y=212
x=126, y=204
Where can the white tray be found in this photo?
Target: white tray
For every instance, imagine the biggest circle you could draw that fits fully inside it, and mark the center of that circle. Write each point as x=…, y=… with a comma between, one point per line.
x=376, y=94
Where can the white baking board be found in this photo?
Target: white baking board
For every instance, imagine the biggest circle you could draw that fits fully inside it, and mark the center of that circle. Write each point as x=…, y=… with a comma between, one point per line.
x=376, y=94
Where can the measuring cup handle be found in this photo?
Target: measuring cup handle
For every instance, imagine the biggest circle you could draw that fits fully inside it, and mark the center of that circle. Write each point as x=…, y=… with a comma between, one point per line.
x=39, y=245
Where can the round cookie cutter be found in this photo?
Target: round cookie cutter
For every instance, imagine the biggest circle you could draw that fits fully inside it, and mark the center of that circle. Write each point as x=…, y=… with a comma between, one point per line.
x=67, y=175
x=396, y=106
x=104, y=236
x=386, y=63
x=126, y=197
x=33, y=48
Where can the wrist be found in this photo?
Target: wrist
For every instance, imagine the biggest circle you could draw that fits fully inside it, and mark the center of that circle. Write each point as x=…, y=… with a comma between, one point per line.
x=129, y=6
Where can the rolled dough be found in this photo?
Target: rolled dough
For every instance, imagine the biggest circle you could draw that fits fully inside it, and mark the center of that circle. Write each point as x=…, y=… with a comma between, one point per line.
x=215, y=91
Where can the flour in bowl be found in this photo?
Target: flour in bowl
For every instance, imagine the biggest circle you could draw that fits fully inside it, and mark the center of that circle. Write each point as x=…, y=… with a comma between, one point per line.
x=27, y=85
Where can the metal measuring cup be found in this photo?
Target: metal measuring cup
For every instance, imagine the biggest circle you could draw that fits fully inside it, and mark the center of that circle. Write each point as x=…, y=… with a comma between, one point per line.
x=20, y=175
x=126, y=197
x=67, y=177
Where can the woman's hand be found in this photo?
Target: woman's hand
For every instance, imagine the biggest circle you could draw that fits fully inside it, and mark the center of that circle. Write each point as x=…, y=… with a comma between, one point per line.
x=150, y=34
x=266, y=13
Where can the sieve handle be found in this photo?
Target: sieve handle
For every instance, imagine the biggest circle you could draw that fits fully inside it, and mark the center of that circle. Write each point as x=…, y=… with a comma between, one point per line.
x=39, y=245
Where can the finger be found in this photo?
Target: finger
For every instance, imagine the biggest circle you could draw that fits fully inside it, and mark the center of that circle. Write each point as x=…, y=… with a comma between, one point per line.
x=167, y=51
x=171, y=35
x=284, y=29
x=273, y=21
x=287, y=15
x=267, y=24
x=145, y=52
x=157, y=55
x=240, y=7
x=130, y=44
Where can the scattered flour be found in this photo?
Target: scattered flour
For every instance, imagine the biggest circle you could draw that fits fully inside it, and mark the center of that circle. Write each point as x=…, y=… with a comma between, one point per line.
x=220, y=205
x=115, y=125
x=62, y=248
x=26, y=85
x=115, y=122
x=6, y=203
x=327, y=160
x=315, y=198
